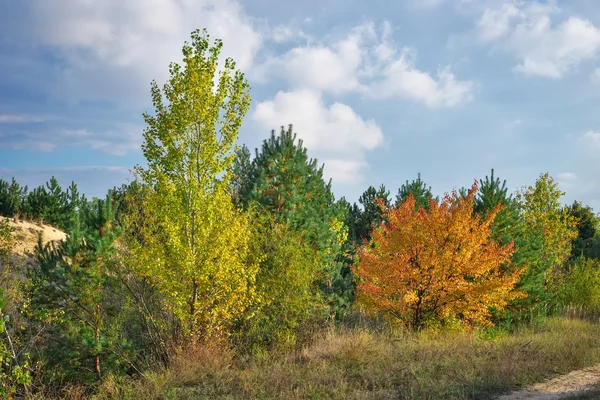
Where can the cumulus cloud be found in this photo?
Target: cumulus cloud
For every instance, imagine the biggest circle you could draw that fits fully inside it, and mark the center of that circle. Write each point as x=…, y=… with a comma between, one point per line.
x=404, y=79
x=366, y=61
x=112, y=48
x=543, y=47
x=335, y=131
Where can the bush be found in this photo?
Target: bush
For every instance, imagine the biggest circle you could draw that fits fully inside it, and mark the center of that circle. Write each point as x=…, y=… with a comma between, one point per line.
x=578, y=285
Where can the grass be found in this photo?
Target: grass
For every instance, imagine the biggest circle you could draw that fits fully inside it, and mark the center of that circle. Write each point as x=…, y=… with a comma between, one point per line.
x=359, y=364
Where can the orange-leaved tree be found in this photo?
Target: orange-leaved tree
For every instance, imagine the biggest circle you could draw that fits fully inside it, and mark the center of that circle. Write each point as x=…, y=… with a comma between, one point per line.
x=425, y=267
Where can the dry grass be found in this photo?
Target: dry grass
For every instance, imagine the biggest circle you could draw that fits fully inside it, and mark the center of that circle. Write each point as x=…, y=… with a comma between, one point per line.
x=359, y=364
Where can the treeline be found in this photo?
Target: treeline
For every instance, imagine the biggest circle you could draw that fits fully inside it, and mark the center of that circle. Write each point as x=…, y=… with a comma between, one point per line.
x=211, y=244
x=47, y=203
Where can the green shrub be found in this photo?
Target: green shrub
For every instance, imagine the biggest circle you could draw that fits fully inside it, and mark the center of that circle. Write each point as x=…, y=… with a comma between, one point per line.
x=579, y=285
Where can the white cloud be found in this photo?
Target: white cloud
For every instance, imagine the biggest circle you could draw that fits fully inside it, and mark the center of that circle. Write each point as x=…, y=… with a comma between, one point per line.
x=369, y=62
x=345, y=171
x=336, y=132
x=495, y=23
x=287, y=33
x=542, y=47
x=402, y=78
x=590, y=140
x=114, y=48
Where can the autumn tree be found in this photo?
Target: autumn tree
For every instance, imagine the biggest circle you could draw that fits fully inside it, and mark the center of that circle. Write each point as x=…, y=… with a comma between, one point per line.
x=193, y=247
x=425, y=267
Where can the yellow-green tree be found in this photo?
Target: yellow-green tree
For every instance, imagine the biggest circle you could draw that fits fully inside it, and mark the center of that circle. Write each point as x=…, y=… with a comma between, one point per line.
x=191, y=242
x=546, y=235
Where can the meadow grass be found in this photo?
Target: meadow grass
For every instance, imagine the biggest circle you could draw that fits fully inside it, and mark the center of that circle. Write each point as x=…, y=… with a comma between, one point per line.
x=360, y=364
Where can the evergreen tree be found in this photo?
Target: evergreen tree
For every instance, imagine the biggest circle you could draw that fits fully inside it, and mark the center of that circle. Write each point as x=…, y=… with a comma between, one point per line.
x=374, y=204
x=11, y=198
x=492, y=192
x=56, y=212
x=284, y=181
x=420, y=192
x=36, y=203
x=241, y=174
x=73, y=289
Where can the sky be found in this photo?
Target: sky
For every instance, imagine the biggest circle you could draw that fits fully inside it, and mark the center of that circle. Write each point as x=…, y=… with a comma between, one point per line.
x=378, y=91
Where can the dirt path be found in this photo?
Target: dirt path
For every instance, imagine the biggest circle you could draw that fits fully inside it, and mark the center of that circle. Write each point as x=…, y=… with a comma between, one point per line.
x=574, y=383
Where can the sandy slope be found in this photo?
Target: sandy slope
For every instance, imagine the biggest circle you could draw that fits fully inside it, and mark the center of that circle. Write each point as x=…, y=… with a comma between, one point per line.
x=27, y=235
x=576, y=382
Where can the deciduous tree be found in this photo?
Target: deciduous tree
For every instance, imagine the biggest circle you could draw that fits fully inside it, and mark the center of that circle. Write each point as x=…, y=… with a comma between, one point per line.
x=426, y=267
x=194, y=244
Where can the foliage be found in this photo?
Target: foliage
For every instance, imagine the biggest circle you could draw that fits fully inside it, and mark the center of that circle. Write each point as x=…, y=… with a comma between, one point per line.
x=191, y=242
x=11, y=198
x=419, y=191
x=14, y=371
x=74, y=291
x=45, y=203
x=578, y=285
x=546, y=236
x=428, y=267
x=286, y=291
x=285, y=182
x=506, y=225
x=588, y=224
x=362, y=221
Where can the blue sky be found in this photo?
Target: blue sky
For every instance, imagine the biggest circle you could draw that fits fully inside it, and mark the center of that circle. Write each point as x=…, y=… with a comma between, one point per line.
x=379, y=91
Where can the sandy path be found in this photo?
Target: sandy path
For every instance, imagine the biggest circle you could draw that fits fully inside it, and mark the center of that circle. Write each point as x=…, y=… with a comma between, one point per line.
x=576, y=382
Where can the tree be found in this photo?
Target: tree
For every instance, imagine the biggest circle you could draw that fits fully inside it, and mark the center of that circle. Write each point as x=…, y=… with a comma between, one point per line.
x=420, y=192
x=546, y=235
x=492, y=193
x=426, y=267
x=587, y=224
x=11, y=198
x=371, y=215
x=241, y=181
x=288, y=296
x=284, y=181
x=192, y=242
x=72, y=289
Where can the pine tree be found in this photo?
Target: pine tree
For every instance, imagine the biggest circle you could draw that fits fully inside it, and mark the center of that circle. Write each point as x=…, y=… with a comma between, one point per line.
x=284, y=181
x=374, y=203
x=492, y=192
x=241, y=174
x=419, y=190
x=72, y=289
